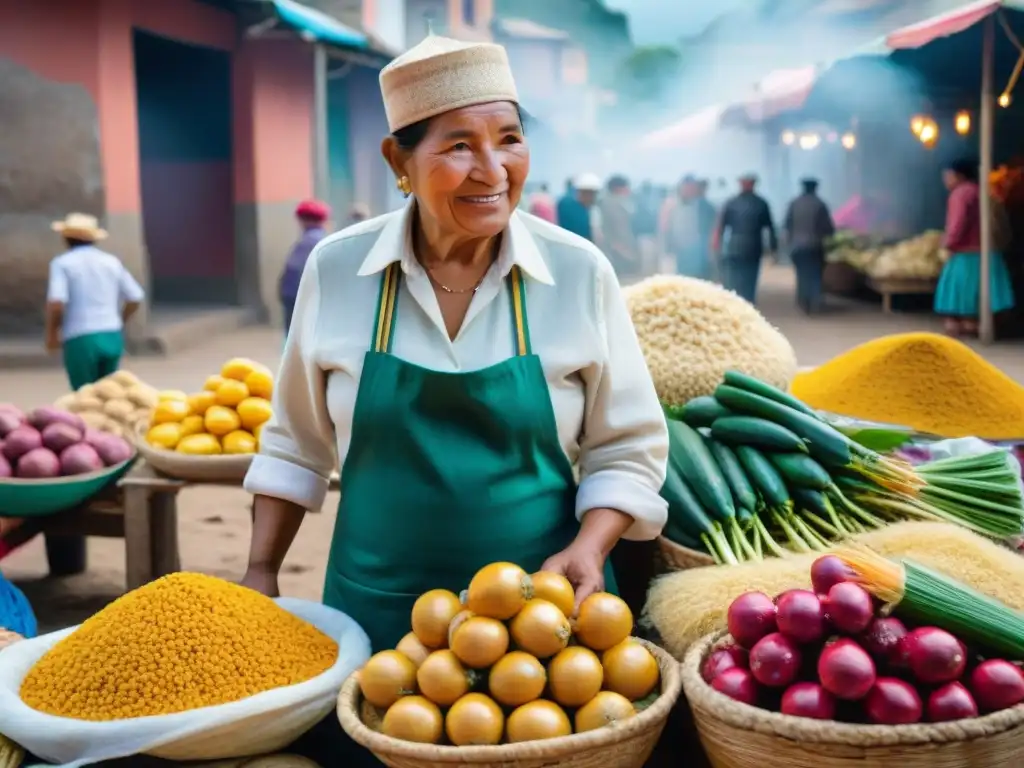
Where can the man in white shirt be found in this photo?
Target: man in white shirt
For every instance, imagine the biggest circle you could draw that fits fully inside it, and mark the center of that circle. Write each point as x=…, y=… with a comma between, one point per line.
x=90, y=297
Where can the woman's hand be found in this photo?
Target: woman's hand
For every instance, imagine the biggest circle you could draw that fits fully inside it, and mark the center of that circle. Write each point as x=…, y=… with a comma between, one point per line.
x=262, y=581
x=582, y=565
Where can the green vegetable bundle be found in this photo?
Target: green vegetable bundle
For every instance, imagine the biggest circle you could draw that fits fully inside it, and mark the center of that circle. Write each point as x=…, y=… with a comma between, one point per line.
x=754, y=472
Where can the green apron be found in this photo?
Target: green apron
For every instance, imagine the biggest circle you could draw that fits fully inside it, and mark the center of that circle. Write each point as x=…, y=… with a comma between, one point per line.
x=446, y=472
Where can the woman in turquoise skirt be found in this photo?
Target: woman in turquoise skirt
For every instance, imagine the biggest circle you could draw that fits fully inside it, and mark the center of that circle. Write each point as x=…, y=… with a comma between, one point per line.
x=957, y=297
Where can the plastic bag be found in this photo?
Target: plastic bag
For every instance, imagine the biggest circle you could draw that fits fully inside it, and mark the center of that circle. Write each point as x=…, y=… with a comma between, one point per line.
x=260, y=724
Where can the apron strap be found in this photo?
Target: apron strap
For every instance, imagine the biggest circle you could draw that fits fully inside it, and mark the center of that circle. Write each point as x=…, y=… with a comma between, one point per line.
x=520, y=326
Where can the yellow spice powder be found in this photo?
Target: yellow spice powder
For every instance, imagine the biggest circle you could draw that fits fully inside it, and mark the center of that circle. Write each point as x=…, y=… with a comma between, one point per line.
x=929, y=382
x=179, y=643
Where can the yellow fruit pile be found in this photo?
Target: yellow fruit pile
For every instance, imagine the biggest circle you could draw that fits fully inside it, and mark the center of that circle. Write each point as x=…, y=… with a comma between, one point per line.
x=225, y=418
x=509, y=647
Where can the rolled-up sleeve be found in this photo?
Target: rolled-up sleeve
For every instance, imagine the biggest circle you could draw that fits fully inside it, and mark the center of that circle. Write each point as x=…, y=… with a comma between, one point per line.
x=624, y=445
x=298, y=450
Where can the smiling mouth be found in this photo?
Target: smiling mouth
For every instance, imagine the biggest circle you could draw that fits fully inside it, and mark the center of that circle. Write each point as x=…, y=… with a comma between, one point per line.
x=481, y=199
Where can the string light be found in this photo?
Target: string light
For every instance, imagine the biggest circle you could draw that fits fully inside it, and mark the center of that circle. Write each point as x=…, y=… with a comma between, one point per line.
x=962, y=124
x=809, y=141
x=929, y=133
x=1005, y=100
x=917, y=123
x=788, y=137
x=849, y=140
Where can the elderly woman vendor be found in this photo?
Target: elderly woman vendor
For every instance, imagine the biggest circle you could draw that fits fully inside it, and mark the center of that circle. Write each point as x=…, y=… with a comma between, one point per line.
x=466, y=363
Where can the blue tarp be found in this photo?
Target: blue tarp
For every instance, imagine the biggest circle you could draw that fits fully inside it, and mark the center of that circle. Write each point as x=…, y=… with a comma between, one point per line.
x=319, y=26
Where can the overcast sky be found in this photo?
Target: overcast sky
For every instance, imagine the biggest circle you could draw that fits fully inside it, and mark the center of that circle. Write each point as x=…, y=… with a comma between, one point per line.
x=664, y=21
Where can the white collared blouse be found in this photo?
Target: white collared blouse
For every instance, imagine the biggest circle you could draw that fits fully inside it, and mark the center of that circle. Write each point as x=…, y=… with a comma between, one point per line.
x=610, y=423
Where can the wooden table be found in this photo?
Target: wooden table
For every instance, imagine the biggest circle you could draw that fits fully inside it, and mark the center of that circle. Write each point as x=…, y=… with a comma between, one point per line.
x=889, y=288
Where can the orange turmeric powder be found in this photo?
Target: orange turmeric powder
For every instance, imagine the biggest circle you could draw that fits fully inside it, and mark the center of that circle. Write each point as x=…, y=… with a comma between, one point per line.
x=925, y=381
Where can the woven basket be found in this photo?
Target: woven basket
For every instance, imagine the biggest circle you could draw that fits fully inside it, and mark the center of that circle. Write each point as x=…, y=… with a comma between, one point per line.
x=676, y=557
x=11, y=755
x=736, y=735
x=198, y=469
x=627, y=744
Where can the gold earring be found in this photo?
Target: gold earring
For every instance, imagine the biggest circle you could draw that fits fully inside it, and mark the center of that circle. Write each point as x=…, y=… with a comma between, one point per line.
x=404, y=186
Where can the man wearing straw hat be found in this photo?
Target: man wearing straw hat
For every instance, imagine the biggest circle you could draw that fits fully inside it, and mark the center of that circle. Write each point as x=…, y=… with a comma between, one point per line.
x=90, y=297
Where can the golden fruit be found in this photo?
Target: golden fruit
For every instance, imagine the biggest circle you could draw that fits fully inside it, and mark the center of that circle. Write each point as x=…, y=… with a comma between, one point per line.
x=442, y=678
x=260, y=383
x=213, y=383
x=432, y=612
x=536, y=721
x=479, y=641
x=460, y=618
x=253, y=411
x=192, y=425
x=414, y=718
x=604, y=620
x=238, y=442
x=499, y=590
x=555, y=588
x=231, y=393
x=200, y=445
x=164, y=435
x=516, y=679
x=474, y=720
x=220, y=421
x=387, y=677
x=258, y=434
x=413, y=649
x=171, y=394
x=200, y=402
x=170, y=411
x=575, y=676
x=630, y=670
x=604, y=709
x=238, y=368
x=540, y=628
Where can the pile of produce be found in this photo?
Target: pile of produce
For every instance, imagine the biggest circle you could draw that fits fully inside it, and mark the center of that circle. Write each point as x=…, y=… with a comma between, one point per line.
x=754, y=472
x=833, y=654
x=115, y=403
x=49, y=442
x=846, y=247
x=918, y=258
x=691, y=331
x=1007, y=186
x=224, y=418
x=927, y=381
x=510, y=647
x=179, y=643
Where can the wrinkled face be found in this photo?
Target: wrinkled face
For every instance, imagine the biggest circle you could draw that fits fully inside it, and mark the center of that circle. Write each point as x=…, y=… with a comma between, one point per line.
x=468, y=171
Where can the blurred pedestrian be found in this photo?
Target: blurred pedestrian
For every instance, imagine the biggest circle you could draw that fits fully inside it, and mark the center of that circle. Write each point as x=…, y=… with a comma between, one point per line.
x=312, y=216
x=618, y=239
x=687, y=225
x=542, y=205
x=807, y=226
x=739, y=239
x=576, y=210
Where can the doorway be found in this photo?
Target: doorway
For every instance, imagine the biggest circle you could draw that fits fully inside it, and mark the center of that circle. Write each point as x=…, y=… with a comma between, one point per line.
x=183, y=94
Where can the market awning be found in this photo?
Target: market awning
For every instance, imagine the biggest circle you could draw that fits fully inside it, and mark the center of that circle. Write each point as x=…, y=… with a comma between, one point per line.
x=689, y=130
x=317, y=26
x=944, y=25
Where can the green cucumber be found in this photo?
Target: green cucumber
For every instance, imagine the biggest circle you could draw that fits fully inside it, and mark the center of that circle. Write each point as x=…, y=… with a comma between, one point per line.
x=824, y=443
x=696, y=466
x=801, y=471
x=811, y=500
x=766, y=390
x=763, y=476
x=743, y=493
x=685, y=512
x=759, y=433
x=702, y=411
x=674, y=412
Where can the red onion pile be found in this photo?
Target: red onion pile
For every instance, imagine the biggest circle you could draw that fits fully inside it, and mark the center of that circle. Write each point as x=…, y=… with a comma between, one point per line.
x=828, y=654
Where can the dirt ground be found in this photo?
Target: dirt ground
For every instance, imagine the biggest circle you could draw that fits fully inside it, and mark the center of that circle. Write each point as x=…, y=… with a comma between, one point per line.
x=214, y=522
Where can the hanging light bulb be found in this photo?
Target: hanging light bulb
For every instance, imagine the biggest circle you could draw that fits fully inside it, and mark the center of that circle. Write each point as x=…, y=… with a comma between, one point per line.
x=788, y=137
x=962, y=124
x=809, y=141
x=849, y=140
x=1005, y=100
x=916, y=124
x=929, y=133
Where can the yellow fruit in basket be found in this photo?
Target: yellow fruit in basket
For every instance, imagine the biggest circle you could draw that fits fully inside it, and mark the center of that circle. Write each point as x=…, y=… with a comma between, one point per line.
x=261, y=383
x=630, y=670
x=443, y=679
x=200, y=402
x=165, y=435
x=411, y=647
x=170, y=411
x=604, y=709
x=238, y=368
x=432, y=612
x=192, y=425
x=387, y=677
x=499, y=590
x=171, y=394
x=516, y=679
x=200, y=445
x=479, y=641
x=554, y=588
x=231, y=393
x=474, y=720
x=213, y=383
x=604, y=620
x=258, y=433
x=536, y=721
x=238, y=442
x=540, y=628
x=254, y=411
x=575, y=676
x=414, y=718
x=220, y=421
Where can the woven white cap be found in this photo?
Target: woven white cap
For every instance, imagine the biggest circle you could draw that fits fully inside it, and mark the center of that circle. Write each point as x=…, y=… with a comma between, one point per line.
x=587, y=182
x=441, y=74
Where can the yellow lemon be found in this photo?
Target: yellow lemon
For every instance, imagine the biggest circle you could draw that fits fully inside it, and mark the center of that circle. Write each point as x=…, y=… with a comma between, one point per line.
x=239, y=441
x=260, y=383
x=231, y=393
x=220, y=420
x=253, y=411
x=238, y=368
x=164, y=435
x=168, y=411
x=257, y=432
x=192, y=425
x=200, y=401
x=199, y=445
x=213, y=383
x=171, y=394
